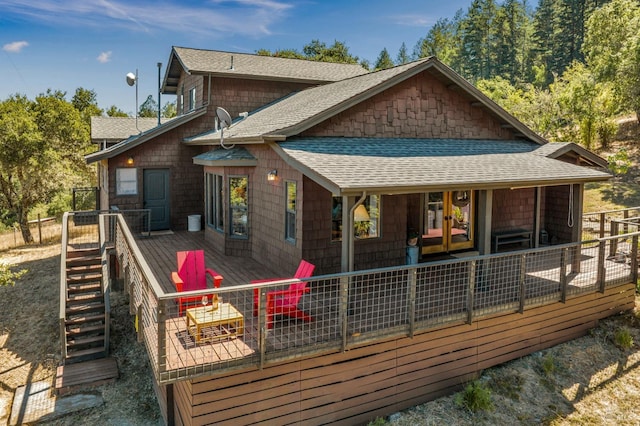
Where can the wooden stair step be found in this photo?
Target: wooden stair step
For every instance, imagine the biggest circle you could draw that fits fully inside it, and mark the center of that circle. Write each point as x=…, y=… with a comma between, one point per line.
x=83, y=278
x=81, y=329
x=84, y=341
x=71, y=377
x=86, y=352
x=71, y=254
x=83, y=269
x=84, y=309
x=84, y=287
x=86, y=319
x=85, y=297
x=80, y=309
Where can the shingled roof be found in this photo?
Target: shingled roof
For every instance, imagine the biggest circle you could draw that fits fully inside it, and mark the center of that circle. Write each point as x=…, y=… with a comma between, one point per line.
x=300, y=111
x=115, y=129
x=389, y=165
x=251, y=66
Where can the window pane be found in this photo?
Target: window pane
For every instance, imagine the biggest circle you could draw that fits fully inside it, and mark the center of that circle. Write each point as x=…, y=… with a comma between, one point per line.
x=366, y=222
x=238, y=205
x=290, y=214
x=126, y=182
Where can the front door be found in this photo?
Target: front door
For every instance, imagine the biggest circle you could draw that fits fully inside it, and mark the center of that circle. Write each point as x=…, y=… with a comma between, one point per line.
x=447, y=221
x=156, y=197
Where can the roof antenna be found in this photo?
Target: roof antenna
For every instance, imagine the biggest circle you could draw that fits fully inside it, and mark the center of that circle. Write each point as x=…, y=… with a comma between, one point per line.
x=225, y=121
x=231, y=67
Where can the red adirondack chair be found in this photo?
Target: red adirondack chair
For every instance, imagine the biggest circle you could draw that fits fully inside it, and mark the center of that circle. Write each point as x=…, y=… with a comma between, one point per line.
x=192, y=275
x=285, y=302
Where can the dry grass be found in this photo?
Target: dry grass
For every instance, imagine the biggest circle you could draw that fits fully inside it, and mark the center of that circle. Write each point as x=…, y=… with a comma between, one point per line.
x=30, y=345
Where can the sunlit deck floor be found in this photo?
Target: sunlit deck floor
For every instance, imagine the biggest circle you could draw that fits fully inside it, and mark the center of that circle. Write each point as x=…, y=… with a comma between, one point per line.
x=182, y=352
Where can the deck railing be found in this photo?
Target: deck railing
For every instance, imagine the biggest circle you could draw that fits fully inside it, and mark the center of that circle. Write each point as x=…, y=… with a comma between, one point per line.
x=353, y=309
x=599, y=224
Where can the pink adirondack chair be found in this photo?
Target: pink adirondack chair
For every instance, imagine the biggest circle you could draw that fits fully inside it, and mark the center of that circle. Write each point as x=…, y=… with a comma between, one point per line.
x=192, y=275
x=285, y=302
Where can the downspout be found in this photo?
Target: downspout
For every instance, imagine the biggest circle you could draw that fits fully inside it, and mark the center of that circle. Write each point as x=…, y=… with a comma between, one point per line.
x=350, y=229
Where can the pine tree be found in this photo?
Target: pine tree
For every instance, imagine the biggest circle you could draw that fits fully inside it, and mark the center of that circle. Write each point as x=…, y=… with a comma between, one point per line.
x=384, y=60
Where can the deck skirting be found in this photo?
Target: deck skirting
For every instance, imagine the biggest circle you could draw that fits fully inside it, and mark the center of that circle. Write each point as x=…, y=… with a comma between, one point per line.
x=356, y=386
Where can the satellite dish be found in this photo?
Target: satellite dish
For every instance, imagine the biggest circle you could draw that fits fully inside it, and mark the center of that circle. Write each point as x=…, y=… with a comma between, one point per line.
x=224, y=117
x=131, y=79
x=225, y=121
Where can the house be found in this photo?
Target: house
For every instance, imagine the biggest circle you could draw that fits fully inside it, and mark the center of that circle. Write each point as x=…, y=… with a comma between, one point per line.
x=417, y=146
x=340, y=166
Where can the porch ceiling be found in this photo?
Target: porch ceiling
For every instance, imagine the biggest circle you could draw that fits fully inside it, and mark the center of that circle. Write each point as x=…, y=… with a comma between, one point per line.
x=386, y=165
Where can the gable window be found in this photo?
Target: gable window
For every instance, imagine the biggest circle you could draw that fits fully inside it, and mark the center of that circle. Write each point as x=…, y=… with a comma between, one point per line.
x=238, y=206
x=126, y=181
x=366, y=221
x=213, y=197
x=192, y=99
x=290, y=212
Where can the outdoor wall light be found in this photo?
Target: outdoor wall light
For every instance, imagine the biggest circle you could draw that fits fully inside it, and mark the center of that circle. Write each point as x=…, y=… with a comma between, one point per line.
x=272, y=175
x=130, y=161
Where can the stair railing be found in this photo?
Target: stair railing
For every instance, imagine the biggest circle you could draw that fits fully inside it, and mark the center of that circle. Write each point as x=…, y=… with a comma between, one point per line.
x=63, y=284
x=105, y=281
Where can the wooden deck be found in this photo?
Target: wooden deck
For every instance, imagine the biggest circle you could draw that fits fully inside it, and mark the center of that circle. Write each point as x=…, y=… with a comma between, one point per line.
x=160, y=253
x=377, y=304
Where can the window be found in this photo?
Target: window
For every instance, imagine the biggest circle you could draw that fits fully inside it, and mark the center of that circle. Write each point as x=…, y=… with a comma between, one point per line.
x=366, y=222
x=213, y=197
x=192, y=99
x=126, y=181
x=238, y=202
x=290, y=213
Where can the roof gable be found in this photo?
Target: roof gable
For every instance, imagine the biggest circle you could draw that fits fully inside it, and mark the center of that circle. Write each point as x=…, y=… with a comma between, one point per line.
x=299, y=112
x=251, y=66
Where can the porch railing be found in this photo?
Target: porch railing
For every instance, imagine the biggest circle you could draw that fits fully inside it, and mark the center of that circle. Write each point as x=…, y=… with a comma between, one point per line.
x=599, y=224
x=353, y=309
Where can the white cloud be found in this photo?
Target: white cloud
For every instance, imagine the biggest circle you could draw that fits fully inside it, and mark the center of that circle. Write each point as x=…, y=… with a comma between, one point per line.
x=15, y=47
x=104, y=57
x=211, y=18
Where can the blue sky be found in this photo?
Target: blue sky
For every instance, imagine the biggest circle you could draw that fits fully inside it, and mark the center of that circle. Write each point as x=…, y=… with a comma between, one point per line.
x=63, y=44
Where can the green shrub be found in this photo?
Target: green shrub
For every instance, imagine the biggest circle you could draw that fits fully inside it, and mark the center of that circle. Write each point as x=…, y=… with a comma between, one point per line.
x=378, y=421
x=475, y=397
x=623, y=338
x=548, y=365
x=7, y=276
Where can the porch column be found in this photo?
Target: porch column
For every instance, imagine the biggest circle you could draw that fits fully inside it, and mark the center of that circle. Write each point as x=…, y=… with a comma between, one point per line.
x=485, y=207
x=576, y=230
x=536, y=219
x=347, y=234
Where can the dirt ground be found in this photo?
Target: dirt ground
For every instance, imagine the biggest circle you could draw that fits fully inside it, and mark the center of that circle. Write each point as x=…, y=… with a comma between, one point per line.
x=587, y=381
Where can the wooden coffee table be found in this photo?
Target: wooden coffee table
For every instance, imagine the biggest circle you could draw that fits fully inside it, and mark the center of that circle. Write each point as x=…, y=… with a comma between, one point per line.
x=225, y=321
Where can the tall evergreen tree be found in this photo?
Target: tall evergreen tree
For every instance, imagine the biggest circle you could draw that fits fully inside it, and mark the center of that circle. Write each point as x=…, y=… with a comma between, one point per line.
x=384, y=60
x=478, y=39
x=403, y=55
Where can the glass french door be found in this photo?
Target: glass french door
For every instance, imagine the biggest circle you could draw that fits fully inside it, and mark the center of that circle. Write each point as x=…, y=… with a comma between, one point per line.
x=447, y=221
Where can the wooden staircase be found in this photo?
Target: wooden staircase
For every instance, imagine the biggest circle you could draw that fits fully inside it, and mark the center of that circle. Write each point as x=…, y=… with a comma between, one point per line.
x=85, y=321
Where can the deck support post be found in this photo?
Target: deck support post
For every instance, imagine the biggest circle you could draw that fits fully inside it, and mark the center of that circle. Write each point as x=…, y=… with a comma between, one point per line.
x=601, y=269
x=634, y=260
x=613, y=243
x=262, y=326
x=161, y=318
x=564, y=255
x=521, y=278
x=470, y=291
x=413, y=272
x=344, y=309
